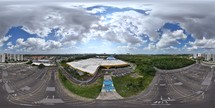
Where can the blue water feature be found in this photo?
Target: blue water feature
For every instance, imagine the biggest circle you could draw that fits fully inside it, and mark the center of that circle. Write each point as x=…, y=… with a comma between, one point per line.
x=108, y=85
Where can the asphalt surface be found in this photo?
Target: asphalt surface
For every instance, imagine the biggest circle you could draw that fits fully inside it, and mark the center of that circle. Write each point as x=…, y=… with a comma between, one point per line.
x=157, y=94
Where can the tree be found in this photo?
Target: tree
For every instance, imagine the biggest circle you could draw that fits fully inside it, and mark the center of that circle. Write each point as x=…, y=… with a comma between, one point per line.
x=29, y=62
x=41, y=66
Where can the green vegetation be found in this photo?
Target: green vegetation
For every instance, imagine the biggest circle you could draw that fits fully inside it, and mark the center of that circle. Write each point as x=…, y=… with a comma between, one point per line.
x=171, y=62
x=127, y=86
x=159, y=61
x=88, y=91
x=29, y=62
x=41, y=66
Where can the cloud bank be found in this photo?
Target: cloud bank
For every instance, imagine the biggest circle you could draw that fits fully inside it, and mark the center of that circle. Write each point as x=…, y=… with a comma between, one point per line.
x=138, y=28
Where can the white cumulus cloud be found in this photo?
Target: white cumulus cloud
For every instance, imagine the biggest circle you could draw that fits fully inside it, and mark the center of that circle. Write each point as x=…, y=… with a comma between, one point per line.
x=170, y=38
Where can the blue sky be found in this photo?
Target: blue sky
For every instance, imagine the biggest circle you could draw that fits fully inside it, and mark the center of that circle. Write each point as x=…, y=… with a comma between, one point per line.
x=174, y=27
x=101, y=28
x=110, y=10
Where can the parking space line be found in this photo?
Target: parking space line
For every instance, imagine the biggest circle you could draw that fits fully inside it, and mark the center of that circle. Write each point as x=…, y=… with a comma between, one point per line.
x=39, y=75
x=43, y=76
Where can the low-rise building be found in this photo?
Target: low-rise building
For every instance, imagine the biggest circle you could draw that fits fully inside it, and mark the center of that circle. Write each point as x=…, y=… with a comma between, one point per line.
x=91, y=65
x=44, y=62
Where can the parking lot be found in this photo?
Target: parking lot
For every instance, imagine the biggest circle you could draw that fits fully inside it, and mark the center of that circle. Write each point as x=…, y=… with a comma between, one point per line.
x=29, y=86
x=176, y=87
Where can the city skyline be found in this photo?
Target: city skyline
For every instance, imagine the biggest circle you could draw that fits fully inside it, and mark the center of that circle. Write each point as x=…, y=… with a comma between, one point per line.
x=138, y=27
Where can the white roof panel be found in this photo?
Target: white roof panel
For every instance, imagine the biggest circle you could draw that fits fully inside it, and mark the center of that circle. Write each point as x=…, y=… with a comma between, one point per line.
x=92, y=64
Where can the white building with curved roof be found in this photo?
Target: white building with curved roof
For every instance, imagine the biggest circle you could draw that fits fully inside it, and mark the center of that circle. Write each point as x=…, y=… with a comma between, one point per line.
x=91, y=65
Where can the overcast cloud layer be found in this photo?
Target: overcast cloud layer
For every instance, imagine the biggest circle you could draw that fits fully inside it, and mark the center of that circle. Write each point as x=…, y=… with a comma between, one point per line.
x=95, y=27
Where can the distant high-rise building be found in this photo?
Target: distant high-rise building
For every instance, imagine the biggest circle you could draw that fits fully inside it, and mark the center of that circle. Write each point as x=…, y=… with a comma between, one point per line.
x=21, y=57
x=2, y=57
x=194, y=56
x=208, y=57
x=18, y=57
x=9, y=57
x=14, y=57
x=213, y=57
x=205, y=56
x=199, y=55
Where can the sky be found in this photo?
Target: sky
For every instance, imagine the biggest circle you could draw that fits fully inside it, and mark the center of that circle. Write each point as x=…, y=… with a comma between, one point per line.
x=113, y=26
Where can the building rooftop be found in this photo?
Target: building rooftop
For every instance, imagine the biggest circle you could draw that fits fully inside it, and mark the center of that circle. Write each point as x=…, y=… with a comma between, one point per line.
x=91, y=65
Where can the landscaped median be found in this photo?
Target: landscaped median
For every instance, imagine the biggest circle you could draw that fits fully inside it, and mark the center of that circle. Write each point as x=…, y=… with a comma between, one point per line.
x=88, y=91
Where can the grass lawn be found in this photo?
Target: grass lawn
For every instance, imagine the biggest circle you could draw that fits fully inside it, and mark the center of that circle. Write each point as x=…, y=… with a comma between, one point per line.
x=89, y=91
x=127, y=86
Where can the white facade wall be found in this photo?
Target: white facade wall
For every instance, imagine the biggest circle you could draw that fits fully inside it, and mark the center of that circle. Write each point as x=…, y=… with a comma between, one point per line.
x=0, y=57
x=11, y=56
x=208, y=57
x=199, y=54
x=205, y=56
x=14, y=57
x=213, y=57
x=3, y=57
x=21, y=57
x=8, y=56
x=18, y=57
x=194, y=56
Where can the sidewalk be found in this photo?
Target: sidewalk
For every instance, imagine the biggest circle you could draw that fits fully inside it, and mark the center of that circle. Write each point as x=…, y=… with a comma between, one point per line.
x=108, y=91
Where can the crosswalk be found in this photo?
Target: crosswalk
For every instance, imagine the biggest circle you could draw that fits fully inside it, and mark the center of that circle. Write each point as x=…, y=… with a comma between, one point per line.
x=163, y=101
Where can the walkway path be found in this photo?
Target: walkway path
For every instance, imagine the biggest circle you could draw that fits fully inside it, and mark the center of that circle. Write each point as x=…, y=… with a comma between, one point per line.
x=108, y=91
